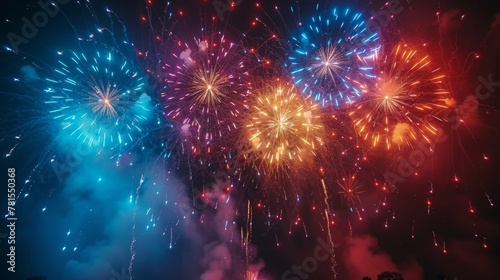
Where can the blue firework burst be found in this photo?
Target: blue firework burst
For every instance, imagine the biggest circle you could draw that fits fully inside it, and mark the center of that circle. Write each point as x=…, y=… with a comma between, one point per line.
x=332, y=56
x=98, y=98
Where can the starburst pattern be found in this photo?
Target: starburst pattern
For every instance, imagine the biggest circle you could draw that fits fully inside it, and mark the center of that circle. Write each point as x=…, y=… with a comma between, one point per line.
x=402, y=107
x=99, y=98
x=283, y=127
x=332, y=57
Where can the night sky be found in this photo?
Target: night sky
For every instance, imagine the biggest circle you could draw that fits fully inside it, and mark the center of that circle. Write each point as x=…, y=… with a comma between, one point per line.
x=254, y=140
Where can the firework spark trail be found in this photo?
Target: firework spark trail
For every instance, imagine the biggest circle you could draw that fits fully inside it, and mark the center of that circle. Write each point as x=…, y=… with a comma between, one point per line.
x=248, y=234
x=132, y=243
x=328, y=213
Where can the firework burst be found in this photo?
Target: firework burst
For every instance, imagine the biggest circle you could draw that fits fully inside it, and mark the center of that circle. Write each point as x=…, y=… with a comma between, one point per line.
x=284, y=129
x=402, y=106
x=98, y=98
x=207, y=88
x=350, y=190
x=332, y=57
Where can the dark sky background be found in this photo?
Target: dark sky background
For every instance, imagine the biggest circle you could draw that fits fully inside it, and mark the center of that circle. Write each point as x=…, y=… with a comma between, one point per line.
x=100, y=214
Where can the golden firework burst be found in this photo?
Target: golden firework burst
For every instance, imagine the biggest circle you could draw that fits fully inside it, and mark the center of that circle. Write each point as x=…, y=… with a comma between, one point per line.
x=283, y=127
